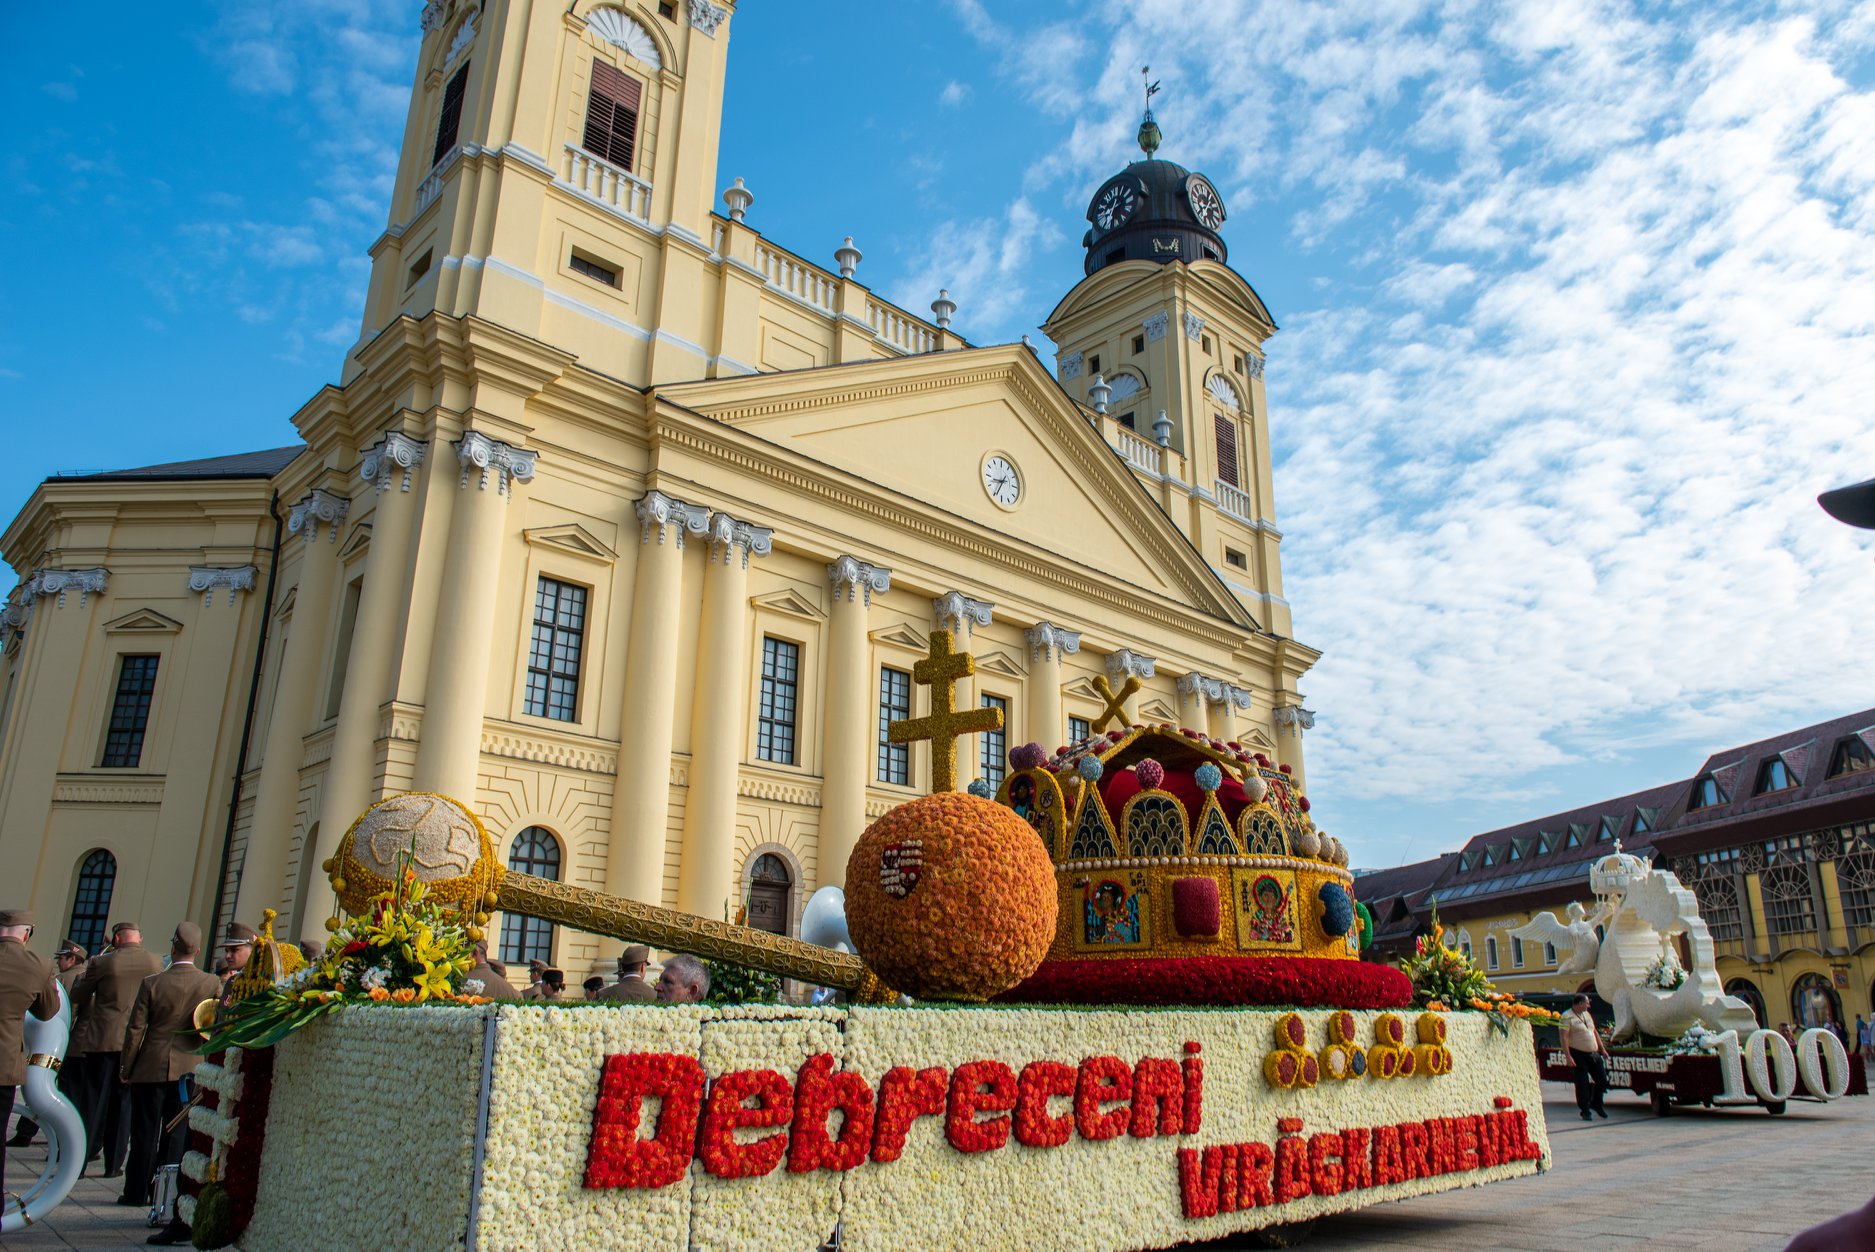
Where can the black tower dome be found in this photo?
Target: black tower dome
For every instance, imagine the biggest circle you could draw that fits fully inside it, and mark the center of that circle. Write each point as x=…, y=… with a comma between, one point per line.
x=1154, y=210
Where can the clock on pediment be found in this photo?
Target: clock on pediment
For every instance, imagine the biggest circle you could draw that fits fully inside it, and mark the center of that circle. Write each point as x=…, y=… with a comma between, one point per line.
x=1002, y=482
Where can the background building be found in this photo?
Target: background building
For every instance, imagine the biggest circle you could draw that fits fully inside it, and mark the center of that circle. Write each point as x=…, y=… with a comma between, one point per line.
x=1775, y=838
x=626, y=524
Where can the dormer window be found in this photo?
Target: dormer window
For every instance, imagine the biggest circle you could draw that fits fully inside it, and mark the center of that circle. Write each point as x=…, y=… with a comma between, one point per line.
x=1574, y=840
x=1606, y=832
x=1851, y=756
x=1642, y=822
x=1706, y=793
x=612, y=116
x=1774, y=775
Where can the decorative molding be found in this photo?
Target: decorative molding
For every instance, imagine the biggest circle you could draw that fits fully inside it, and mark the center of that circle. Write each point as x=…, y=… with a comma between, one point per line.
x=1214, y=690
x=729, y=536
x=852, y=577
x=400, y=721
x=1294, y=718
x=1127, y=663
x=1123, y=387
x=1049, y=642
x=622, y=32
x=566, y=753
x=316, y=749
x=572, y=538
x=142, y=622
x=318, y=506
x=1192, y=683
x=1070, y=367
x=95, y=789
x=680, y=771
x=1156, y=710
x=208, y=579
x=1239, y=697
x=659, y=510
x=901, y=636
x=433, y=14
x=465, y=35
x=1156, y=326
x=395, y=449
x=706, y=17
x=997, y=661
x=781, y=791
x=1224, y=393
x=509, y=463
x=56, y=582
x=1194, y=326
x=958, y=613
x=790, y=602
x=1253, y=364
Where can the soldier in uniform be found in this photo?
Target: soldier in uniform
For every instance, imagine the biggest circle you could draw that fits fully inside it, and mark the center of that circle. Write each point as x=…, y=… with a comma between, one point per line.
x=495, y=984
x=101, y=1002
x=631, y=987
x=236, y=950
x=70, y=959
x=157, y=1063
x=25, y=986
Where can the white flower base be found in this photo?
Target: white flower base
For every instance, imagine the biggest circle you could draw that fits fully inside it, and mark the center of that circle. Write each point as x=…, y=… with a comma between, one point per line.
x=374, y=1135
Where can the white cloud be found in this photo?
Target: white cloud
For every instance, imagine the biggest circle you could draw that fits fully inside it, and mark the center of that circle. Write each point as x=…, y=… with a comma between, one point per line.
x=954, y=94
x=983, y=262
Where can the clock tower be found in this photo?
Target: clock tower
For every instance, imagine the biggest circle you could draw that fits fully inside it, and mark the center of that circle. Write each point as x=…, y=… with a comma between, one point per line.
x=1164, y=340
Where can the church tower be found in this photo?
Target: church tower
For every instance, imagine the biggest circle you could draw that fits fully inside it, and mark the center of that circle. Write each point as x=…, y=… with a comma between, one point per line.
x=1165, y=341
x=557, y=177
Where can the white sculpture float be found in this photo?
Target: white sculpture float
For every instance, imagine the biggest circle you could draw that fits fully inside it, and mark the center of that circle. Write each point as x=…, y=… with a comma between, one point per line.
x=1642, y=910
x=63, y=1127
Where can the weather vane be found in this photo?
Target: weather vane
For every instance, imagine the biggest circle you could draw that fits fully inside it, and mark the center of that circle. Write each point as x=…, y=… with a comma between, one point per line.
x=1149, y=133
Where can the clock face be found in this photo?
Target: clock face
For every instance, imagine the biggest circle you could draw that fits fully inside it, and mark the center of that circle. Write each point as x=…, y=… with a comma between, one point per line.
x=1001, y=481
x=1206, y=204
x=1115, y=205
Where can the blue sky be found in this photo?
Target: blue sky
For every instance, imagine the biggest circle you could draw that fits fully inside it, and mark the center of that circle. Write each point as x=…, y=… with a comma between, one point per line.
x=1578, y=309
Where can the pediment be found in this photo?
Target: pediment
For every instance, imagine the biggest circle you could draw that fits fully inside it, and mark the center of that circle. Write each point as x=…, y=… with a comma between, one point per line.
x=790, y=602
x=926, y=428
x=901, y=636
x=1083, y=689
x=1156, y=710
x=356, y=543
x=571, y=537
x=142, y=622
x=999, y=662
x=284, y=609
x=1255, y=739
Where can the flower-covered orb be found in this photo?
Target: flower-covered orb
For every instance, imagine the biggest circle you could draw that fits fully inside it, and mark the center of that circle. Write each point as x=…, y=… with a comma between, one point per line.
x=449, y=851
x=951, y=897
x=1150, y=773
x=1208, y=777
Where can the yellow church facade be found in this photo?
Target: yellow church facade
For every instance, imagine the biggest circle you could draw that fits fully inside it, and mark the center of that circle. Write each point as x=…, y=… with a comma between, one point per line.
x=626, y=524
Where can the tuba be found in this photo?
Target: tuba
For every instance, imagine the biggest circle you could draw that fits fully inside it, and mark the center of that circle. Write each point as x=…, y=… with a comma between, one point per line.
x=64, y=1128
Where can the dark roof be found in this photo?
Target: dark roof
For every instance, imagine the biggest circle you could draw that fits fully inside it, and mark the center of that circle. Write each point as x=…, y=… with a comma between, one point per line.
x=1159, y=223
x=262, y=464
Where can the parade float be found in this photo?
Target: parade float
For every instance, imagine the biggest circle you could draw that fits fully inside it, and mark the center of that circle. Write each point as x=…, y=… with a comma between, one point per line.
x=1653, y=961
x=1118, y=1005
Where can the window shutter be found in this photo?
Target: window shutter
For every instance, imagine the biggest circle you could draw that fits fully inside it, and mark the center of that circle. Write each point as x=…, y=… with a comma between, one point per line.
x=1227, y=449
x=449, y=122
x=612, y=116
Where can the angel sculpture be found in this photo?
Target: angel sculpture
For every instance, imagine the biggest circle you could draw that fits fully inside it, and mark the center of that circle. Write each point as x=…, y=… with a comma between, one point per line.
x=1577, y=936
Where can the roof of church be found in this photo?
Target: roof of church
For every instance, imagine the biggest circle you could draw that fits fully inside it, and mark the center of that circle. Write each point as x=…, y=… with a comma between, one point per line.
x=263, y=464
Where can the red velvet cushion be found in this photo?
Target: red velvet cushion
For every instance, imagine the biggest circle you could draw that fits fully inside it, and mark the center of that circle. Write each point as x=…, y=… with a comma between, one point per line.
x=1195, y=909
x=1121, y=785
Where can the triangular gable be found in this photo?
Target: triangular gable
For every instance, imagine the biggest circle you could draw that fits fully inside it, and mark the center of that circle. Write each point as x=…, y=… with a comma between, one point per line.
x=142, y=622
x=902, y=636
x=999, y=662
x=791, y=602
x=285, y=608
x=1256, y=739
x=1082, y=689
x=1726, y=775
x=357, y=542
x=925, y=427
x=1797, y=759
x=1158, y=711
x=571, y=537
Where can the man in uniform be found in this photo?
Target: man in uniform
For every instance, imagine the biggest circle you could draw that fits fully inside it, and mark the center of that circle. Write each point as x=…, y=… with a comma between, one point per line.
x=26, y=985
x=157, y=1063
x=236, y=950
x=101, y=1002
x=494, y=985
x=631, y=987
x=71, y=963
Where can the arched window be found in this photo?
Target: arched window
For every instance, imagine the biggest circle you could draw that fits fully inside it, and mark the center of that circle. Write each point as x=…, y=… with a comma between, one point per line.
x=91, y=907
x=534, y=851
x=1747, y=990
x=1813, y=1002
x=1464, y=943
x=1490, y=951
x=770, y=888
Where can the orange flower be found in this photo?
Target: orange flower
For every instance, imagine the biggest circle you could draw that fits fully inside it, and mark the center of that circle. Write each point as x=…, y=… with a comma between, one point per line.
x=379, y=993
x=404, y=995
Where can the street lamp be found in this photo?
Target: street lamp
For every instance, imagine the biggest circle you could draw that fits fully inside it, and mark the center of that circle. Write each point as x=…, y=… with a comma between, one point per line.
x=1853, y=505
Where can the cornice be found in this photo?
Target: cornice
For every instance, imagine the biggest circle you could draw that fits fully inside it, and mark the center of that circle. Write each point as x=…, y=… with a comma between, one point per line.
x=140, y=790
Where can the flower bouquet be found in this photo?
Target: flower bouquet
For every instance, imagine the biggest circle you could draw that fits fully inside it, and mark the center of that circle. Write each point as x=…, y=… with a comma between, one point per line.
x=406, y=949
x=1666, y=973
x=1445, y=981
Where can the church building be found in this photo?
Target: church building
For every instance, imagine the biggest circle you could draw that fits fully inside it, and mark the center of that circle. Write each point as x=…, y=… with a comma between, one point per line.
x=625, y=524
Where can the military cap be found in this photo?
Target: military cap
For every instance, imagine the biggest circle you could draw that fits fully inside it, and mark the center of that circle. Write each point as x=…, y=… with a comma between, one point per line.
x=188, y=937
x=238, y=934
x=16, y=917
x=121, y=927
x=637, y=954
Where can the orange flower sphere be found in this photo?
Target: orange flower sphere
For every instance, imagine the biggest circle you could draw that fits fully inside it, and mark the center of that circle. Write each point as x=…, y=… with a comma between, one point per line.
x=951, y=897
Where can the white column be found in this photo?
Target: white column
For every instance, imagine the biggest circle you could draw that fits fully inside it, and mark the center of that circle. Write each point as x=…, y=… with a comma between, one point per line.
x=1193, y=696
x=705, y=875
x=1225, y=704
x=641, y=793
x=960, y=614
x=849, y=739
x=1048, y=643
x=270, y=832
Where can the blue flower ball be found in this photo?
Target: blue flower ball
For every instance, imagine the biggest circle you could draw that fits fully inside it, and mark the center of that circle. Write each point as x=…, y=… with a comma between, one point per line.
x=981, y=787
x=1337, y=909
x=1090, y=768
x=1208, y=776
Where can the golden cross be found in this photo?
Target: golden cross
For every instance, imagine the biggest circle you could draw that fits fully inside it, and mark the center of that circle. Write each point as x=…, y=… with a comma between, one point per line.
x=1114, y=708
x=940, y=671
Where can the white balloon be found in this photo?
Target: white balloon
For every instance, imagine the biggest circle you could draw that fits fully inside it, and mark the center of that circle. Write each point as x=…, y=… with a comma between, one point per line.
x=823, y=921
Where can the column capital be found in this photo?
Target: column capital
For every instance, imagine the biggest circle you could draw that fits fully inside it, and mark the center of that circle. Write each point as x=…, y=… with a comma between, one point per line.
x=960, y=614
x=1050, y=642
x=853, y=578
x=1295, y=718
x=208, y=579
x=729, y=536
x=659, y=510
x=56, y=582
x=1127, y=663
x=318, y=505
x=397, y=450
x=508, y=463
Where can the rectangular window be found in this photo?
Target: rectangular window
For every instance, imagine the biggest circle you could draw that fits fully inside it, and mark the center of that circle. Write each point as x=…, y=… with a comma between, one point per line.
x=420, y=267
x=1227, y=449
x=1236, y=363
x=342, y=655
x=1079, y=728
x=553, y=658
x=1139, y=344
x=781, y=684
x=1490, y=951
x=1205, y=342
x=449, y=121
x=612, y=116
x=1126, y=420
x=993, y=745
x=894, y=706
x=1236, y=559
x=1093, y=365
x=1516, y=952
x=130, y=712
x=580, y=263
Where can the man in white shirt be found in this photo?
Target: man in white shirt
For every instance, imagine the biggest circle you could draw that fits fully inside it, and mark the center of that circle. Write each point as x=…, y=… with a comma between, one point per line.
x=1589, y=1055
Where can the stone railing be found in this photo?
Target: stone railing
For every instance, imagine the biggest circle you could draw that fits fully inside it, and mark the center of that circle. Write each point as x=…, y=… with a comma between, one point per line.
x=899, y=328
x=1234, y=501
x=1140, y=452
x=606, y=184
x=803, y=280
